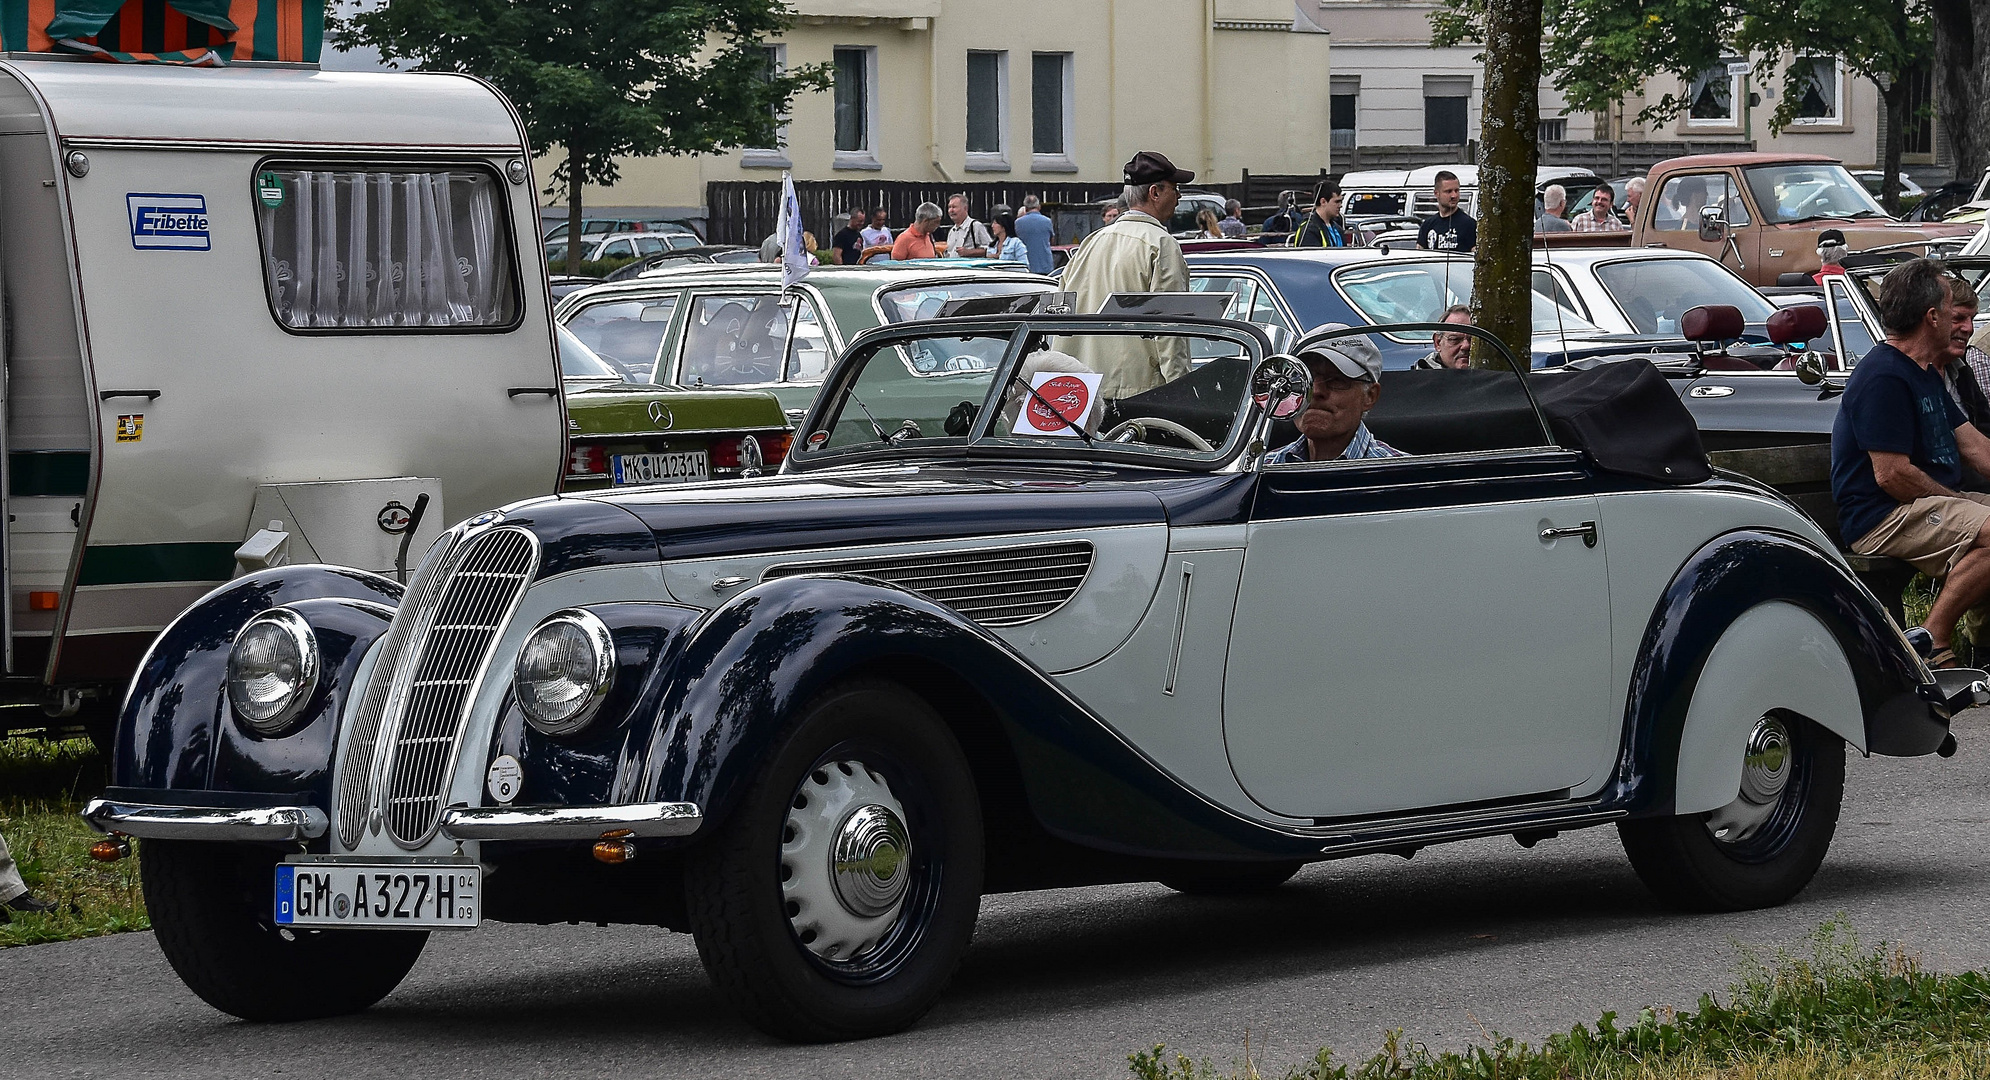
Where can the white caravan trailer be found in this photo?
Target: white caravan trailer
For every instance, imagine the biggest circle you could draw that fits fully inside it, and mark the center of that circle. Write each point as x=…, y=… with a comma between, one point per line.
x=252, y=315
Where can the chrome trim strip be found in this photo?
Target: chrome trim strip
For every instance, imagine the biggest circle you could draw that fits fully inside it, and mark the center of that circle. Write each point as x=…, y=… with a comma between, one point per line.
x=642, y=820
x=152, y=822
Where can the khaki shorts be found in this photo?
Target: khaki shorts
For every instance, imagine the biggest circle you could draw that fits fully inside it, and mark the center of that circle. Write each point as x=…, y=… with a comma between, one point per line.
x=1931, y=532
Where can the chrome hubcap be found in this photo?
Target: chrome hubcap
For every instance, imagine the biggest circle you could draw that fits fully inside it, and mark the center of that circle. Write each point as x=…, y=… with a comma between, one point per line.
x=1765, y=774
x=844, y=860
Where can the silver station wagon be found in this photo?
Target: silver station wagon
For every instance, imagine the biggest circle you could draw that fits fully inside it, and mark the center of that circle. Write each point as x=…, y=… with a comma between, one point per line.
x=1003, y=624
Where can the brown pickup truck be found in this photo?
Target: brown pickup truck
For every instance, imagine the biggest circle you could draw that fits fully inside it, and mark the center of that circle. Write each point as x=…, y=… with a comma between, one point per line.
x=1759, y=213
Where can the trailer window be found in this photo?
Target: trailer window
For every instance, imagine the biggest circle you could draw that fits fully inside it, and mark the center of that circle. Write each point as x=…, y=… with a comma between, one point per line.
x=366, y=250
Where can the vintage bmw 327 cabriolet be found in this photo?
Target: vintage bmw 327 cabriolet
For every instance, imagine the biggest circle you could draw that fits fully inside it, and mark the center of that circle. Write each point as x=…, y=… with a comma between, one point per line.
x=1000, y=624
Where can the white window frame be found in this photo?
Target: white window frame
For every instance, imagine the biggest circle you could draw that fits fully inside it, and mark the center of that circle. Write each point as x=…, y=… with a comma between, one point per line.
x=1064, y=162
x=867, y=158
x=1837, y=117
x=998, y=160
x=776, y=156
x=1735, y=103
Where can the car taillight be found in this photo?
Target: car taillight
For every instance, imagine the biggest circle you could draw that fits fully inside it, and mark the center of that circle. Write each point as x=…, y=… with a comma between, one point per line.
x=587, y=461
x=725, y=454
x=774, y=448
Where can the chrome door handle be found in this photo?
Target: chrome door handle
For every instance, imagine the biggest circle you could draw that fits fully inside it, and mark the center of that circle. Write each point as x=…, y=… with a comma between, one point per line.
x=107, y=395
x=526, y=391
x=1586, y=530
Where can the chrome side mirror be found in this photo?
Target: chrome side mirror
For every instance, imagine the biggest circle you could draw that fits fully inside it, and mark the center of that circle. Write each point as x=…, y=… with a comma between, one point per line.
x=1279, y=386
x=1810, y=369
x=1713, y=224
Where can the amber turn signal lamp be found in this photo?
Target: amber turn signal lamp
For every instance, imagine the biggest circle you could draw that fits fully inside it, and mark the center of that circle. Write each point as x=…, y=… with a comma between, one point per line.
x=614, y=852
x=44, y=601
x=110, y=849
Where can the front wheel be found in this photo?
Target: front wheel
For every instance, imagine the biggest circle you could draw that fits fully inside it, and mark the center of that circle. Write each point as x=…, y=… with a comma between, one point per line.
x=213, y=910
x=1765, y=846
x=836, y=901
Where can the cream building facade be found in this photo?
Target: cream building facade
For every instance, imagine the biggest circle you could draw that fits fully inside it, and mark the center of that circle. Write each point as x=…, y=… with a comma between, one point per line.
x=1022, y=90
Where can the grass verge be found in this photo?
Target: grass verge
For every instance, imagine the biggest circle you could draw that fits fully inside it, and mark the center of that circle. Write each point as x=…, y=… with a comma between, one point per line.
x=1838, y=1012
x=42, y=788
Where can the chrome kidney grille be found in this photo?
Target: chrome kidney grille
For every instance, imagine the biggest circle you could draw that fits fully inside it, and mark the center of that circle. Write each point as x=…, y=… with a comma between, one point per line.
x=1004, y=586
x=406, y=734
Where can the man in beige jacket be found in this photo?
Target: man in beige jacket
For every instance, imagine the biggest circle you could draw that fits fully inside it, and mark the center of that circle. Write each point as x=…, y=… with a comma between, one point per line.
x=1134, y=254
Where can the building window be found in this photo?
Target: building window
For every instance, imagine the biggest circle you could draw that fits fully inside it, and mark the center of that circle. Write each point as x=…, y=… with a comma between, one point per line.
x=987, y=111
x=775, y=156
x=856, y=107
x=1917, y=136
x=1446, y=109
x=1553, y=129
x=1050, y=113
x=1816, y=81
x=1711, y=97
x=1342, y=108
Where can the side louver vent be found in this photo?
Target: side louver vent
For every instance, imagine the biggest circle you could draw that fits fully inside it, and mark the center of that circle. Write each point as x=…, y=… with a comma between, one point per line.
x=1004, y=586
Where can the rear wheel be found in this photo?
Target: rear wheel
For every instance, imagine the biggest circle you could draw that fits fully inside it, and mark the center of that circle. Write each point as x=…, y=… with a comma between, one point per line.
x=836, y=901
x=213, y=910
x=1765, y=846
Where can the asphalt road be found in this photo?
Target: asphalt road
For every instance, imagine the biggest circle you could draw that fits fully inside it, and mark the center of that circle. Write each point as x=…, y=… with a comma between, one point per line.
x=1475, y=937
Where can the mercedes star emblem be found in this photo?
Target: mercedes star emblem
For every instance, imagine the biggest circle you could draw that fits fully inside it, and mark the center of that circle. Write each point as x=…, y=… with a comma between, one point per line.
x=660, y=416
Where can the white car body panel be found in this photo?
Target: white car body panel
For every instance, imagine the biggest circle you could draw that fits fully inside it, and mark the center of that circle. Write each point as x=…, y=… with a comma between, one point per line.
x=1341, y=699
x=1775, y=656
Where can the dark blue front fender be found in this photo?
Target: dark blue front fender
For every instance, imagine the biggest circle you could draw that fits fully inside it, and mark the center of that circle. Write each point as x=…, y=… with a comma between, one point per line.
x=175, y=732
x=751, y=666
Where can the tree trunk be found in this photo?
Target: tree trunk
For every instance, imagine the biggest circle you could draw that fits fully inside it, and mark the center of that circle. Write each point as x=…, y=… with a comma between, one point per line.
x=1962, y=81
x=574, y=236
x=1509, y=156
x=1894, y=98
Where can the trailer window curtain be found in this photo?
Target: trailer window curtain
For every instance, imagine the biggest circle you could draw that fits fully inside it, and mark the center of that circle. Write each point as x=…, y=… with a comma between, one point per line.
x=368, y=250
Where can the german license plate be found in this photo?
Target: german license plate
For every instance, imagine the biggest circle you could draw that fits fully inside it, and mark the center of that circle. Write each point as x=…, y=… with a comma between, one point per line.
x=662, y=468
x=379, y=896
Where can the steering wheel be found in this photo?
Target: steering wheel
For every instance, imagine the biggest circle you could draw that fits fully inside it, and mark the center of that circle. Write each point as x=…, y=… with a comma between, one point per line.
x=1135, y=430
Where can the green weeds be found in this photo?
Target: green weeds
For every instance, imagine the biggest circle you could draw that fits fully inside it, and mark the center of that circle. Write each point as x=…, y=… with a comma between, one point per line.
x=42, y=788
x=1834, y=1011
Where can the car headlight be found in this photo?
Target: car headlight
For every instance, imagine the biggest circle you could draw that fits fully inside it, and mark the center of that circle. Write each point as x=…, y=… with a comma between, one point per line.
x=564, y=671
x=272, y=669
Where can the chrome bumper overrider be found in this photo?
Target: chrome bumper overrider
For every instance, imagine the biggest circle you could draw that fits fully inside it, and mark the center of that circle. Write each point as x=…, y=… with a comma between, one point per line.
x=287, y=823
x=153, y=822
x=640, y=820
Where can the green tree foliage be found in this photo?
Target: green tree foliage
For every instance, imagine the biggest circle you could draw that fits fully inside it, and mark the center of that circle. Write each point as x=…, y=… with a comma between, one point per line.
x=1599, y=52
x=603, y=78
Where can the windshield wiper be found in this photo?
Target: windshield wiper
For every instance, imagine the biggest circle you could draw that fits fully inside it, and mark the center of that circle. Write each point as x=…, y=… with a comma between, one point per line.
x=1075, y=429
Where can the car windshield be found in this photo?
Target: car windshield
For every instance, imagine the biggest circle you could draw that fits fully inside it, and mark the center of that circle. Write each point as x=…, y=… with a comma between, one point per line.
x=1093, y=391
x=577, y=361
x=904, y=303
x=1654, y=293
x=1402, y=292
x=1786, y=193
x=626, y=333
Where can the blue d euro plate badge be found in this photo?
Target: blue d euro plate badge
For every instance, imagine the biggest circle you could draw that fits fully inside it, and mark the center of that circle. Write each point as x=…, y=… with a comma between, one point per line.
x=162, y=222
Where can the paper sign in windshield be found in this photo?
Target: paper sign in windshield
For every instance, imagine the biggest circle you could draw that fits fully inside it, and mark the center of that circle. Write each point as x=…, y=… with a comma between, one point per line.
x=162, y=222
x=1062, y=402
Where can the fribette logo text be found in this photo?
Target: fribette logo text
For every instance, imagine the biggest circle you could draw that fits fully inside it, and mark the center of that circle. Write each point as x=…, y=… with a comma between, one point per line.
x=168, y=222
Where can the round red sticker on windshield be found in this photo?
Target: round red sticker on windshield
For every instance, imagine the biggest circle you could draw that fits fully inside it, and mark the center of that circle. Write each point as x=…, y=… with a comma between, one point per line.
x=1065, y=393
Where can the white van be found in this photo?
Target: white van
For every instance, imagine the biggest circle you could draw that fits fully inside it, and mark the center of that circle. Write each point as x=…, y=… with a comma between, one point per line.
x=255, y=315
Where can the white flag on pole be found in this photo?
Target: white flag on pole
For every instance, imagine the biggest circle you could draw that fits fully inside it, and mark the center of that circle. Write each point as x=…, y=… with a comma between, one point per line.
x=794, y=256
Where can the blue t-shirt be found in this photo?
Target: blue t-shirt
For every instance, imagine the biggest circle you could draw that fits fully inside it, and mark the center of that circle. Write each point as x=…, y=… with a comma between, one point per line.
x=1895, y=406
x=1459, y=232
x=1034, y=231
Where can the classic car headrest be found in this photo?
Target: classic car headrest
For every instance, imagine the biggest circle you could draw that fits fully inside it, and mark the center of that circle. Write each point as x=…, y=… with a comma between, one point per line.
x=1799, y=323
x=1711, y=322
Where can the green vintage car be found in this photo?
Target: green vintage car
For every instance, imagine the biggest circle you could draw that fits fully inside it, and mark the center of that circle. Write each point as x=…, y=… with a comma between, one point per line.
x=623, y=432
x=723, y=327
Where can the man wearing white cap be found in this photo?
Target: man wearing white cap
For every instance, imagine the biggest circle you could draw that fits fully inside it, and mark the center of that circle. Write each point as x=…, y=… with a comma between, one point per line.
x=1347, y=381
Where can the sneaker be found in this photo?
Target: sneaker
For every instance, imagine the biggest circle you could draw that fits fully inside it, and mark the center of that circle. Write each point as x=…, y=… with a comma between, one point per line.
x=26, y=904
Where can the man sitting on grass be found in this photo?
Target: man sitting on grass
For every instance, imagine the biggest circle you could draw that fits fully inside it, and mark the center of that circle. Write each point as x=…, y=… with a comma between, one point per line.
x=1897, y=451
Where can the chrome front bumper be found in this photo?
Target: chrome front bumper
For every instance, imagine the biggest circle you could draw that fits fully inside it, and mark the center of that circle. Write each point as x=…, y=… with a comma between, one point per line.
x=154, y=822
x=151, y=821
